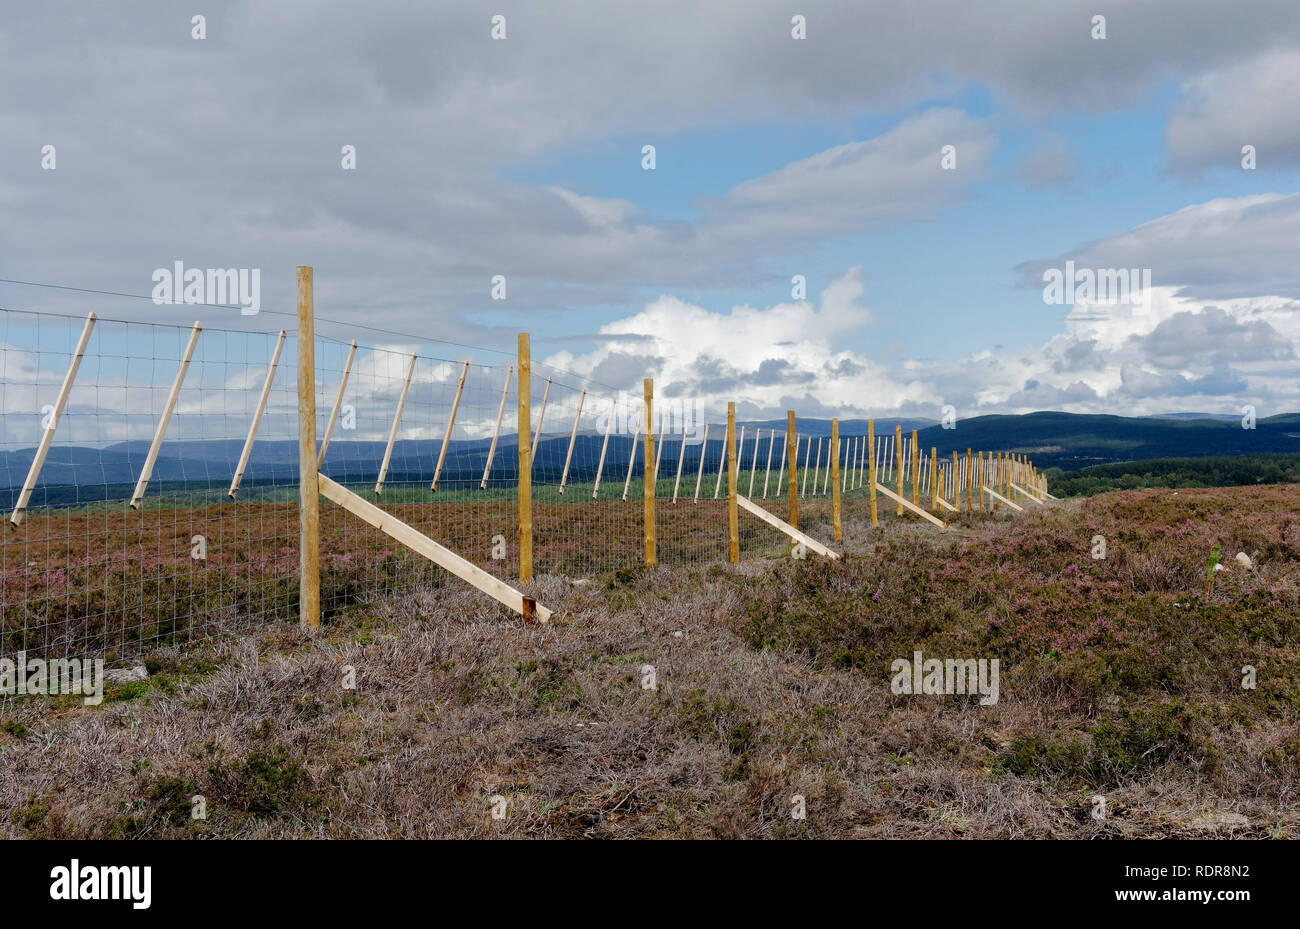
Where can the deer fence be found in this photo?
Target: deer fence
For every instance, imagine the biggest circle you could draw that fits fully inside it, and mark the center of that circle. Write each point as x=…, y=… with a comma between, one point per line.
x=172, y=481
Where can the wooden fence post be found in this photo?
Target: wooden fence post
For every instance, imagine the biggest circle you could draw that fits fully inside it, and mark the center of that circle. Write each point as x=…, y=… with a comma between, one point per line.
x=835, y=479
x=733, y=478
x=308, y=483
x=651, y=473
x=792, y=448
x=524, y=431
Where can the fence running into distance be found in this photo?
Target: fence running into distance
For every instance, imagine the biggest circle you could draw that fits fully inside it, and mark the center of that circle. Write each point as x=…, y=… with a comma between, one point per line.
x=153, y=476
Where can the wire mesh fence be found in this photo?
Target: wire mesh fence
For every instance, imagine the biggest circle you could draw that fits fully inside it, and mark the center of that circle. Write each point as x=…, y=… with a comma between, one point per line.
x=151, y=472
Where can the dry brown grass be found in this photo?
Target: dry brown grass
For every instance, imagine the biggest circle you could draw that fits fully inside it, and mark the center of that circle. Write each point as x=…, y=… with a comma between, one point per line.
x=457, y=701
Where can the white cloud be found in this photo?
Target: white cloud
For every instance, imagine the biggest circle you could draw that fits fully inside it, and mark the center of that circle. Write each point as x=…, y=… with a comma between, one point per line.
x=1180, y=352
x=1249, y=102
x=1224, y=248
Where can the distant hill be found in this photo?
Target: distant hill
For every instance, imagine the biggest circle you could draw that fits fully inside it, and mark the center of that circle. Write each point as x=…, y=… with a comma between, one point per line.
x=1068, y=441
x=1071, y=440
x=1211, y=471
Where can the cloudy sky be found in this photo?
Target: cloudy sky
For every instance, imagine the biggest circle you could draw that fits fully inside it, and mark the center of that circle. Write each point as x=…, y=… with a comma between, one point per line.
x=775, y=157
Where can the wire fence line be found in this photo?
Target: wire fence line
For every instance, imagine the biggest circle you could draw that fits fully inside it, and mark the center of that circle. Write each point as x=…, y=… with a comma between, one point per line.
x=152, y=476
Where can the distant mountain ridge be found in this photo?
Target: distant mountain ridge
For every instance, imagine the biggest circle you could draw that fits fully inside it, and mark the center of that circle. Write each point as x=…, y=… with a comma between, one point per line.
x=1065, y=440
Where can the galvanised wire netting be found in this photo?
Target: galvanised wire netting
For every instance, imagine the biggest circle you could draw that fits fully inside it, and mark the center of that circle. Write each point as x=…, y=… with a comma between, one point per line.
x=167, y=503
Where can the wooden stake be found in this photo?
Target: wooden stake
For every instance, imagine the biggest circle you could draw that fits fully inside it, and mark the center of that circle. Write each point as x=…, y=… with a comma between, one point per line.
x=308, y=475
x=807, y=459
x=573, y=437
x=740, y=444
x=980, y=477
x=704, y=448
x=627, y=481
x=916, y=472
x=753, y=462
x=169, y=408
x=818, y=466
x=496, y=433
x=525, y=420
x=681, y=460
x=898, y=465
x=651, y=473
x=934, y=478
x=541, y=415
x=722, y=464
x=659, y=452
x=257, y=416
x=43, y=448
x=338, y=404
x=600, y=468
x=771, y=440
x=970, y=489
x=871, y=453
x=392, y=433
x=956, y=482
x=781, y=467
x=792, y=446
x=826, y=475
x=451, y=421
x=835, y=480
x=733, y=478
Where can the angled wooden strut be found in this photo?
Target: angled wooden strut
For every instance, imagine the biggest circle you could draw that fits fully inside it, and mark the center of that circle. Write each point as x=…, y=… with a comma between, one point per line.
x=1027, y=493
x=997, y=496
x=47, y=436
x=909, y=505
x=423, y=545
x=777, y=522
